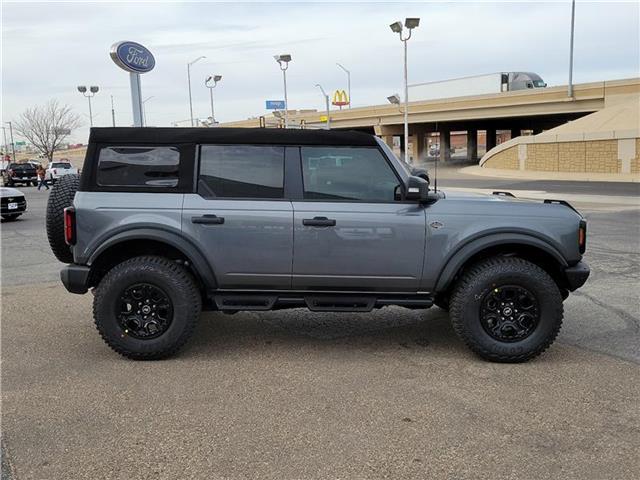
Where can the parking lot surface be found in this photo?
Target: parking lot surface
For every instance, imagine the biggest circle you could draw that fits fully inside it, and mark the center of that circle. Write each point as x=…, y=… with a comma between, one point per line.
x=296, y=395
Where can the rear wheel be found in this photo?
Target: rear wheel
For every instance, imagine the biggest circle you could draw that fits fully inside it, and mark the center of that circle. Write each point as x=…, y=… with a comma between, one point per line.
x=506, y=309
x=61, y=197
x=146, y=308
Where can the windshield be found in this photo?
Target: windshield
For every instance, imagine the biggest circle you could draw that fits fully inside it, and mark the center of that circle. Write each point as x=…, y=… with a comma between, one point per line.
x=20, y=166
x=61, y=165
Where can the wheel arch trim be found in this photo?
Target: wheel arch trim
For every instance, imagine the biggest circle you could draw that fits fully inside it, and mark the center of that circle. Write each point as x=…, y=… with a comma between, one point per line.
x=190, y=251
x=462, y=255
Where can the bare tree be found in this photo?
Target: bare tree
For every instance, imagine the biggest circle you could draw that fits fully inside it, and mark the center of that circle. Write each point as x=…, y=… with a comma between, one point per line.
x=47, y=126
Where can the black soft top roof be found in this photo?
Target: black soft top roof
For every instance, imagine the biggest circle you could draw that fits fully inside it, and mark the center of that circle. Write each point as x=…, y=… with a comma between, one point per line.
x=223, y=135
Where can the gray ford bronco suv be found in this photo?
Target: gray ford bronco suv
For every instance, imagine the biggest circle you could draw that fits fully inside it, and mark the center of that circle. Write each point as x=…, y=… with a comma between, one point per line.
x=165, y=222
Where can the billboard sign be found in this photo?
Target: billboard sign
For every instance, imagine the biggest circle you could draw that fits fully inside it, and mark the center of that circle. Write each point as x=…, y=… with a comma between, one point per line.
x=275, y=104
x=132, y=57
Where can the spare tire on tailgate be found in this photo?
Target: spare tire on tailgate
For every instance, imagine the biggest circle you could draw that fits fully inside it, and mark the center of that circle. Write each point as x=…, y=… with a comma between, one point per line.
x=61, y=197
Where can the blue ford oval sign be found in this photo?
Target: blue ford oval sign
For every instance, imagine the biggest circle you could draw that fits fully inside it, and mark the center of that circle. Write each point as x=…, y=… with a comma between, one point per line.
x=132, y=57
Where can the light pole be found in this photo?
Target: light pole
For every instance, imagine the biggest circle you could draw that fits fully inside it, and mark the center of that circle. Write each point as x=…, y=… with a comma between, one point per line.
x=409, y=24
x=326, y=101
x=90, y=93
x=348, y=81
x=13, y=145
x=573, y=16
x=144, y=108
x=210, y=82
x=283, y=60
x=6, y=145
x=189, y=80
x=113, y=113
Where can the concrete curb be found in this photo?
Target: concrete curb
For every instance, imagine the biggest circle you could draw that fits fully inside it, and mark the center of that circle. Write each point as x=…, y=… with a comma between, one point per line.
x=536, y=175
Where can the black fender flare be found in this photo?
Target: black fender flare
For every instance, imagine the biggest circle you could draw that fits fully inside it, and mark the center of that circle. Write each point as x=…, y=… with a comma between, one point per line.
x=460, y=256
x=190, y=251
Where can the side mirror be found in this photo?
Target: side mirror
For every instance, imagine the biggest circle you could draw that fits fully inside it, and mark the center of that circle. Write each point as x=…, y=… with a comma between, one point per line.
x=417, y=189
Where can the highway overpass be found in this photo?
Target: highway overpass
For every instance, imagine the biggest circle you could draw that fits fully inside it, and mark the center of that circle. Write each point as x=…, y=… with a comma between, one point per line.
x=535, y=110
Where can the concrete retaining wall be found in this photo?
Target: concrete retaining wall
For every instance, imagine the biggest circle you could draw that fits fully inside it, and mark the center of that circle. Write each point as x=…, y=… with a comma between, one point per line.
x=606, y=152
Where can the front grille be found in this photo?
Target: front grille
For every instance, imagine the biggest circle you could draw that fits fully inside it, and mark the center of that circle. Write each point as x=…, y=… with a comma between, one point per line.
x=5, y=201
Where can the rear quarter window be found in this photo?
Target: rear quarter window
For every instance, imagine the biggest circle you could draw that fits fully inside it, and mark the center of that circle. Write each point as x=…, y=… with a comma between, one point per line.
x=138, y=167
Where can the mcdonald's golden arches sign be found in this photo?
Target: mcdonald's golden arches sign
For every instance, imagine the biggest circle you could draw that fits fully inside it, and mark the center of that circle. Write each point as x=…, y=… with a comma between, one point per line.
x=340, y=98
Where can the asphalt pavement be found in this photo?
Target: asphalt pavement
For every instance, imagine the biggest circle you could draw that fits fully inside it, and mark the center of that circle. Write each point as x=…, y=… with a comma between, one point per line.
x=300, y=395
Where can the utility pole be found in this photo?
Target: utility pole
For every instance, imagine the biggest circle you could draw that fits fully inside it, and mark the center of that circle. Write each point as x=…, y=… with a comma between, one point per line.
x=13, y=145
x=113, y=113
x=573, y=16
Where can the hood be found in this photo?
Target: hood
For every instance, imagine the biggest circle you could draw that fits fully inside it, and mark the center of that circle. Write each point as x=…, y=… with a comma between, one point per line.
x=479, y=197
x=10, y=192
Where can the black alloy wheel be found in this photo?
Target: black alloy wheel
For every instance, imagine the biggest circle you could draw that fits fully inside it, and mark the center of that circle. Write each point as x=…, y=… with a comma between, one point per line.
x=509, y=313
x=145, y=311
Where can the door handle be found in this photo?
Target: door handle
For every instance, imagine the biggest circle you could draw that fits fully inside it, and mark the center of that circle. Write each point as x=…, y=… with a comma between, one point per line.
x=208, y=220
x=319, y=222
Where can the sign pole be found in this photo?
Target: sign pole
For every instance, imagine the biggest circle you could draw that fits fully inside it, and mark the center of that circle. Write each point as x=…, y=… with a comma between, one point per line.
x=136, y=99
x=135, y=59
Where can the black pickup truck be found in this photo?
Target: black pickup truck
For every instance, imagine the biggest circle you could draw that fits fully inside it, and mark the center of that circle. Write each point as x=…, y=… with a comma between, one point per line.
x=24, y=173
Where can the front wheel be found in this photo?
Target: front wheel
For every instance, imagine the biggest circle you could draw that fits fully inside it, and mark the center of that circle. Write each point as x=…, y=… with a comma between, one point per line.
x=506, y=309
x=146, y=308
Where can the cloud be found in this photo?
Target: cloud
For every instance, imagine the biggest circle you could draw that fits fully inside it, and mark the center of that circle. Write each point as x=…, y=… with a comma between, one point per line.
x=49, y=48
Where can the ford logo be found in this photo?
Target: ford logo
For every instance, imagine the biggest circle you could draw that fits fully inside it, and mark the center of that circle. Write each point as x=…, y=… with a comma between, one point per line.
x=132, y=57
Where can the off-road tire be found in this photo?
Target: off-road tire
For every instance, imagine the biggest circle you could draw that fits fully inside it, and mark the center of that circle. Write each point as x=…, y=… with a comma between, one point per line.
x=61, y=197
x=476, y=282
x=161, y=272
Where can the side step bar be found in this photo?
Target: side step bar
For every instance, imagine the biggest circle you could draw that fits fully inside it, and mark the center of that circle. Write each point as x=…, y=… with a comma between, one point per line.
x=317, y=302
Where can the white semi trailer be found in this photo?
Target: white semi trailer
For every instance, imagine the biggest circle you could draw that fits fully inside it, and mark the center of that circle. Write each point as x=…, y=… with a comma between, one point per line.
x=475, y=85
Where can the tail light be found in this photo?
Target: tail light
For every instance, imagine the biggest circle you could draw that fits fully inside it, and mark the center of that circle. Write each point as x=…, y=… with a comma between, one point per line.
x=70, y=225
x=582, y=236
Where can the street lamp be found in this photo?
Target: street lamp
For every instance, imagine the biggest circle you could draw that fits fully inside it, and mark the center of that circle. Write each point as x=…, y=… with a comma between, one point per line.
x=144, y=108
x=210, y=82
x=326, y=101
x=394, y=99
x=409, y=24
x=92, y=91
x=283, y=60
x=348, y=81
x=189, y=80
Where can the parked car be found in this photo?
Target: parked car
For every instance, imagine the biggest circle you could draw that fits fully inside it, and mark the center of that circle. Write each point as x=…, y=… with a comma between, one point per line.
x=23, y=173
x=12, y=203
x=59, y=169
x=165, y=222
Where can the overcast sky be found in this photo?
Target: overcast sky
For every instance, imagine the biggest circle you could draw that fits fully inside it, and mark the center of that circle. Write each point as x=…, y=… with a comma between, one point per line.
x=50, y=48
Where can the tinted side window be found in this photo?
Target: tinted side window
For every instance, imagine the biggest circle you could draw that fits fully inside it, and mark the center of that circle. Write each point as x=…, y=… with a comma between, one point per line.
x=344, y=173
x=138, y=167
x=241, y=171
